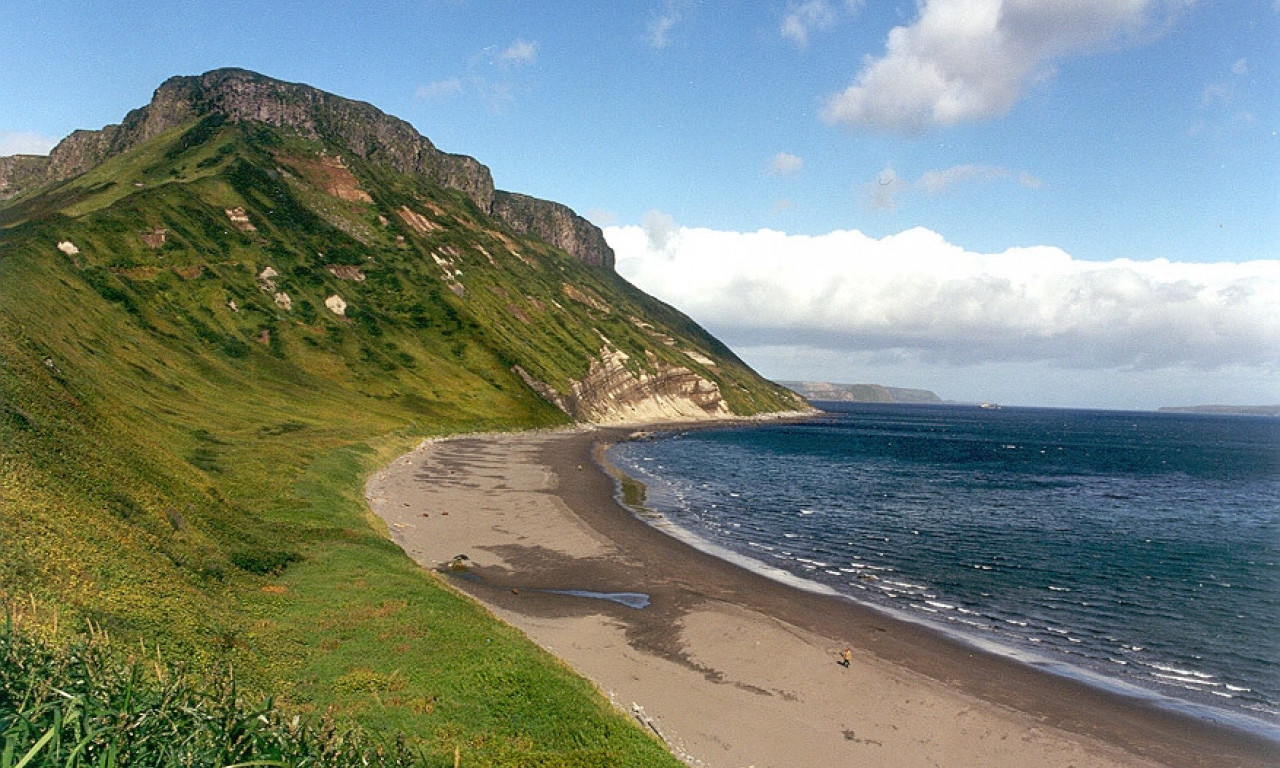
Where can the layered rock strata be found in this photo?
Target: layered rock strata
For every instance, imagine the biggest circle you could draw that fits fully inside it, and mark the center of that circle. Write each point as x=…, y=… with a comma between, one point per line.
x=614, y=393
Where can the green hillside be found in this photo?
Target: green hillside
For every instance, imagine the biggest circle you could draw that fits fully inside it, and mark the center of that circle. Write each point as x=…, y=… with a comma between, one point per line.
x=185, y=423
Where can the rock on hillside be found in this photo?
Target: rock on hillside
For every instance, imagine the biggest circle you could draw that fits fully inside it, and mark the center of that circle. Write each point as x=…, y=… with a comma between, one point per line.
x=610, y=393
x=239, y=95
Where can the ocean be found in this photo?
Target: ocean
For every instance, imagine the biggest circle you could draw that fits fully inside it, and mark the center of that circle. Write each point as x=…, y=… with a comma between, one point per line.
x=1134, y=550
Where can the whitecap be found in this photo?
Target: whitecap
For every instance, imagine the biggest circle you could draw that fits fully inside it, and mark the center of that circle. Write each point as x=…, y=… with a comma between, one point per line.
x=1184, y=679
x=906, y=585
x=1178, y=671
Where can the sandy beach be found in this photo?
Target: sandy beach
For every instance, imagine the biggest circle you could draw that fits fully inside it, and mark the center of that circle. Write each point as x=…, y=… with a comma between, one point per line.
x=731, y=668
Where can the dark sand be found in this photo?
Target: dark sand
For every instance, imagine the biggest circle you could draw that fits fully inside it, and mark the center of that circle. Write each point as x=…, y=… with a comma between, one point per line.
x=732, y=668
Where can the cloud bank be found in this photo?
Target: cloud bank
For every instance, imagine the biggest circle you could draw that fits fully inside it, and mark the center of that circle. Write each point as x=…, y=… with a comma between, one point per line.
x=971, y=60
x=915, y=294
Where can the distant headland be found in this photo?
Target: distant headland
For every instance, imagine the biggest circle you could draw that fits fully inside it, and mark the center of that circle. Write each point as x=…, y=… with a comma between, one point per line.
x=859, y=393
x=1237, y=410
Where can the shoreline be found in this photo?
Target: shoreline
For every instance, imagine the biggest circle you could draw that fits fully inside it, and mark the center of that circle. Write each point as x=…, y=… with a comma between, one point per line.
x=727, y=665
x=1231, y=720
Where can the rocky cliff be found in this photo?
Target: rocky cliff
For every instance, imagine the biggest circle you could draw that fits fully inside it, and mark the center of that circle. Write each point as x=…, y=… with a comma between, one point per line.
x=614, y=393
x=554, y=223
x=240, y=96
x=19, y=172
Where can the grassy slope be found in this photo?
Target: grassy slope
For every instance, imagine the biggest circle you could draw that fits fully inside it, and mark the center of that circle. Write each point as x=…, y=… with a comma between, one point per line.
x=177, y=470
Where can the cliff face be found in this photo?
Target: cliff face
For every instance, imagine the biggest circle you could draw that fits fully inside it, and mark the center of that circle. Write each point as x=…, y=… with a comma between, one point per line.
x=556, y=224
x=613, y=393
x=372, y=134
x=242, y=96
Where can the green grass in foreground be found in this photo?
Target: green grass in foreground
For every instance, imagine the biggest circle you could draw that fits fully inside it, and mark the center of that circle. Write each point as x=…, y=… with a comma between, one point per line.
x=78, y=705
x=377, y=659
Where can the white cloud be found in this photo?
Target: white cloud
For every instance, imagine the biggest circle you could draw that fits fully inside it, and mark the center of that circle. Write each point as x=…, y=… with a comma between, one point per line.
x=970, y=60
x=915, y=295
x=935, y=182
x=25, y=143
x=886, y=191
x=1218, y=103
x=658, y=32
x=803, y=17
x=518, y=53
x=658, y=228
x=439, y=89
x=1218, y=94
x=601, y=217
x=785, y=164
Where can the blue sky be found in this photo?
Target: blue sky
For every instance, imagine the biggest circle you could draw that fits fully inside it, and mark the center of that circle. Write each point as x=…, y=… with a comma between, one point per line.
x=1055, y=202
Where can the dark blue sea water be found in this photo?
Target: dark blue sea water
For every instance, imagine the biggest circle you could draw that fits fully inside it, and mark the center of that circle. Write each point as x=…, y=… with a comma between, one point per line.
x=1138, y=550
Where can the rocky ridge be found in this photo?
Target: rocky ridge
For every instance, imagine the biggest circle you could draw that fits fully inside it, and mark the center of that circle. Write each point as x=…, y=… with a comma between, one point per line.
x=239, y=95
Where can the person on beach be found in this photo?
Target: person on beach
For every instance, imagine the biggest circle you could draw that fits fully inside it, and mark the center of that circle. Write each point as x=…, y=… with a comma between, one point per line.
x=846, y=656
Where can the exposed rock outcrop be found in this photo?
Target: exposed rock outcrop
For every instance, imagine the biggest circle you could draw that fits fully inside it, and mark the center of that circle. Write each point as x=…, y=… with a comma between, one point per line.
x=613, y=393
x=556, y=224
x=365, y=130
x=18, y=172
x=239, y=95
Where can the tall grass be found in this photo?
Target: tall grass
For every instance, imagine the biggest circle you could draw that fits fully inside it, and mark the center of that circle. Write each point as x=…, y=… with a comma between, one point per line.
x=81, y=705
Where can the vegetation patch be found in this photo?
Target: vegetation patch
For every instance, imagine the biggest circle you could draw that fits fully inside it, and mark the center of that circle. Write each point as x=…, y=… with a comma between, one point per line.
x=81, y=704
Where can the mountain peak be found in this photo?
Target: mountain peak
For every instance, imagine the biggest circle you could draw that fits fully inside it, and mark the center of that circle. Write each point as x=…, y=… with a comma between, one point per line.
x=240, y=95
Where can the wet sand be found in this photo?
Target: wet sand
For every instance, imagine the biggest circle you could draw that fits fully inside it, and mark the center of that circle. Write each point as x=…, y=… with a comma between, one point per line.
x=731, y=668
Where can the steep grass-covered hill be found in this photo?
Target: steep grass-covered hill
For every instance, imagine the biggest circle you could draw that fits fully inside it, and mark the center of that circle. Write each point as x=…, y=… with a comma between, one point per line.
x=216, y=317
